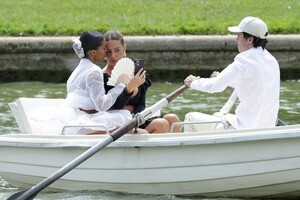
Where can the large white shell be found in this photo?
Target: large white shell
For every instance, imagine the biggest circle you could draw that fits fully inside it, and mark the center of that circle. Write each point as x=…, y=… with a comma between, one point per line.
x=123, y=66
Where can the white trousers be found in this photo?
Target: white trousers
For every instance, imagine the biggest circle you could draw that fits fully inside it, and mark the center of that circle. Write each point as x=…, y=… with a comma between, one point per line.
x=200, y=122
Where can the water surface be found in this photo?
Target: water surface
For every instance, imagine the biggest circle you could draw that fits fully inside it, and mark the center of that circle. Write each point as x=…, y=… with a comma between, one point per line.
x=189, y=101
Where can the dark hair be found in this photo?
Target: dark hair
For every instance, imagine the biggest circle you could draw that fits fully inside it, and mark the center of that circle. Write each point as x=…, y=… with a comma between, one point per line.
x=114, y=35
x=91, y=40
x=257, y=42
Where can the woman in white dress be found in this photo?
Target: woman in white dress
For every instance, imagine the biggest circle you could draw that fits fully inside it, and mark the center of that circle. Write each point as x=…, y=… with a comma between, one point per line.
x=86, y=93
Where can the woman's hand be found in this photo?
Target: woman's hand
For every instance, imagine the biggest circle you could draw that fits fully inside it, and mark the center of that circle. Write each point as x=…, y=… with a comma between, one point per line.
x=136, y=81
x=188, y=80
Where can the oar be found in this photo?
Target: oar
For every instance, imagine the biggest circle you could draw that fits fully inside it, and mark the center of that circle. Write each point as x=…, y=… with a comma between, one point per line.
x=138, y=119
x=280, y=122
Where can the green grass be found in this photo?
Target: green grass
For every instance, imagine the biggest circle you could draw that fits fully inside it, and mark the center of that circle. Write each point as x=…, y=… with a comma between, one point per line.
x=143, y=17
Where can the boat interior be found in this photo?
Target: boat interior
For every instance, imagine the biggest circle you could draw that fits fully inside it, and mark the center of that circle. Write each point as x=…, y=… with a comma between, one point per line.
x=22, y=107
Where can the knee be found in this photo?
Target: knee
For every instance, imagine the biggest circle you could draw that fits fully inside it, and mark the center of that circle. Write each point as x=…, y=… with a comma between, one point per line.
x=171, y=118
x=158, y=125
x=163, y=123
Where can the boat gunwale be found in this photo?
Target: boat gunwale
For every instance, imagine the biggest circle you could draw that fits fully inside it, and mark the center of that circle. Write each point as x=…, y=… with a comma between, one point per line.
x=151, y=140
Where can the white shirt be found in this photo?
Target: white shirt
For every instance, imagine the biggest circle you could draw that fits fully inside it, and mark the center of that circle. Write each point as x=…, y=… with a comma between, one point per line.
x=256, y=78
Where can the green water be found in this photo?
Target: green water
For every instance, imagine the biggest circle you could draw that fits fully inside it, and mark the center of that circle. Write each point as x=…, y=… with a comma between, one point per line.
x=189, y=101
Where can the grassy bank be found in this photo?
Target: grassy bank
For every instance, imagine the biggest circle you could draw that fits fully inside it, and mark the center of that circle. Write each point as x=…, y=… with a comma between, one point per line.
x=143, y=17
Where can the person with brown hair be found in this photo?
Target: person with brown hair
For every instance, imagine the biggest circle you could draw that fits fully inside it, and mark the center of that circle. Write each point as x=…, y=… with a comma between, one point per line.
x=254, y=75
x=134, y=98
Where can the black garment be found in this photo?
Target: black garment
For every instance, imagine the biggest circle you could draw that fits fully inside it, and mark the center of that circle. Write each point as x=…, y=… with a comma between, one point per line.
x=138, y=101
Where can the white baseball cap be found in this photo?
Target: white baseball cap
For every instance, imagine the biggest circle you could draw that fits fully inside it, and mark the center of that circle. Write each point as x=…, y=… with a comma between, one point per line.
x=252, y=25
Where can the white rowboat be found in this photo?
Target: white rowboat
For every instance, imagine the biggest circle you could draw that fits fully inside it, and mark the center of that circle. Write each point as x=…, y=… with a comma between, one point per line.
x=225, y=163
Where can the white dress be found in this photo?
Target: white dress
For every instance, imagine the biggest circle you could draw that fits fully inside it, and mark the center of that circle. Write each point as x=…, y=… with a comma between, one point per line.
x=86, y=91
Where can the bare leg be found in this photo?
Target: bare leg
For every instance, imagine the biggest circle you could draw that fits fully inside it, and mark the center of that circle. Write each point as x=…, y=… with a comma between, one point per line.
x=139, y=130
x=172, y=118
x=158, y=125
x=97, y=133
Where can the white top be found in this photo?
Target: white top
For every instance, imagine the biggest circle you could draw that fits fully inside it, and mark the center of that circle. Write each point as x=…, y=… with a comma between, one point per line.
x=256, y=78
x=86, y=90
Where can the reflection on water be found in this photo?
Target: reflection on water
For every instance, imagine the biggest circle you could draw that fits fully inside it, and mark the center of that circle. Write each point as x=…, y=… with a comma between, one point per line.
x=104, y=195
x=189, y=101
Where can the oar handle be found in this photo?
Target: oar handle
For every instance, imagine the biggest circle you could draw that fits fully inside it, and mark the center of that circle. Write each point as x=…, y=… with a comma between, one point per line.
x=148, y=112
x=177, y=92
x=125, y=129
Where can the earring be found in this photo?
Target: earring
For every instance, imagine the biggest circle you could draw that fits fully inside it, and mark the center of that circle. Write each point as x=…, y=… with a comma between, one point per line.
x=124, y=54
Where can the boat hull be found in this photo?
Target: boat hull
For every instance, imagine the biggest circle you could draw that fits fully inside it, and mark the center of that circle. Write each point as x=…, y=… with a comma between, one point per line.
x=256, y=163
